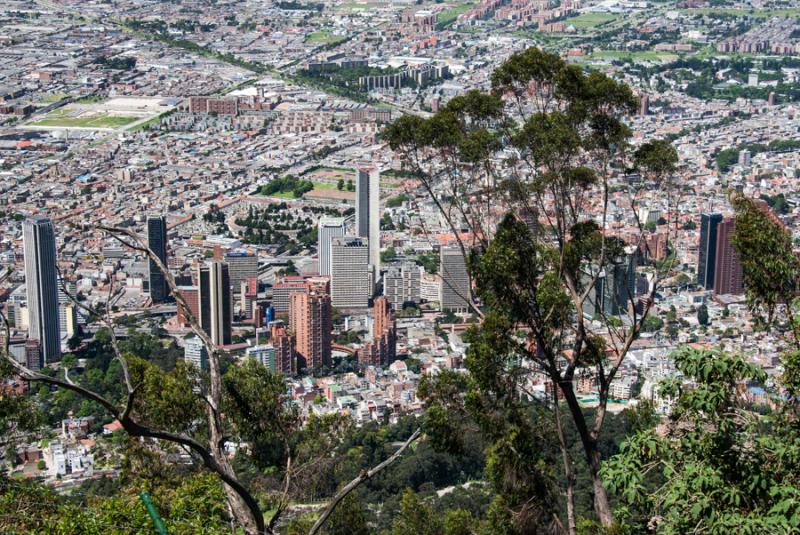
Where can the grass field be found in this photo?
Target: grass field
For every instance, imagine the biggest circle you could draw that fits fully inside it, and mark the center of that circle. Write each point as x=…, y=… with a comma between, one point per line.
x=449, y=15
x=62, y=117
x=317, y=186
x=644, y=55
x=55, y=97
x=590, y=20
x=323, y=37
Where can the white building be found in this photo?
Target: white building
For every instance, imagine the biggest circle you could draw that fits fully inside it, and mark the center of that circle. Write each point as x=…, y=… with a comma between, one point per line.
x=351, y=278
x=329, y=228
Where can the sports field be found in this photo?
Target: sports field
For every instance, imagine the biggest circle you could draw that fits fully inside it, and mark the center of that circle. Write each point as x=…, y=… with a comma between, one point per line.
x=66, y=117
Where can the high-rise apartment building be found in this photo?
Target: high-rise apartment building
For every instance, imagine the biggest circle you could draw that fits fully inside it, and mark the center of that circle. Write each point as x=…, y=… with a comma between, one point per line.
x=311, y=320
x=401, y=284
x=191, y=296
x=216, y=310
x=382, y=349
x=454, y=294
x=368, y=212
x=157, y=242
x=707, y=252
x=39, y=244
x=351, y=278
x=283, y=344
x=329, y=228
x=728, y=276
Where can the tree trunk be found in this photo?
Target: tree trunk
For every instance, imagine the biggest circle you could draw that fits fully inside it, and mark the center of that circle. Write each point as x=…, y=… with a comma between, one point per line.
x=248, y=515
x=589, y=442
x=569, y=473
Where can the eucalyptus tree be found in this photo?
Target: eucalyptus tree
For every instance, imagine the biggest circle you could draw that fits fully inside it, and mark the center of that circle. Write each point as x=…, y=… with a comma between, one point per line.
x=537, y=179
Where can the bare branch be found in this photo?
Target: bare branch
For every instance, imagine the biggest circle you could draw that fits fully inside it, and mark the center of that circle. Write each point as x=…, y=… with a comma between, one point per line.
x=365, y=475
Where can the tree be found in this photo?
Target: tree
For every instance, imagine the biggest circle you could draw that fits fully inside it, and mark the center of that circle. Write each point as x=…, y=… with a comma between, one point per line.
x=518, y=167
x=702, y=315
x=719, y=467
x=340, y=184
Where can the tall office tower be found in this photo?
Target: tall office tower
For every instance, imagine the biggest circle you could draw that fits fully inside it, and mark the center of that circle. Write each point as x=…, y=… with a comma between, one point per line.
x=728, y=277
x=382, y=349
x=194, y=352
x=283, y=343
x=401, y=284
x=329, y=228
x=241, y=266
x=157, y=242
x=283, y=288
x=216, y=310
x=39, y=243
x=614, y=290
x=368, y=212
x=351, y=278
x=454, y=294
x=311, y=319
x=707, y=253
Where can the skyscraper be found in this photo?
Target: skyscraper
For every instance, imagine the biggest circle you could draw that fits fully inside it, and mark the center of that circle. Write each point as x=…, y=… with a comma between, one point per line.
x=329, y=228
x=455, y=290
x=241, y=266
x=310, y=317
x=351, y=279
x=216, y=310
x=401, y=284
x=157, y=242
x=728, y=276
x=39, y=243
x=707, y=253
x=368, y=212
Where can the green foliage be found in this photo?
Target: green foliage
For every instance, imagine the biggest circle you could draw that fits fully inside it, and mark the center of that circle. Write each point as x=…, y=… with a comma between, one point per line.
x=430, y=262
x=702, y=315
x=287, y=184
x=719, y=467
x=260, y=409
x=770, y=268
x=191, y=505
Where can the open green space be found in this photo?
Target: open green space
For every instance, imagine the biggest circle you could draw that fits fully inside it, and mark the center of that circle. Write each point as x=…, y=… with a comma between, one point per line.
x=643, y=55
x=54, y=97
x=590, y=20
x=100, y=120
x=449, y=15
x=323, y=37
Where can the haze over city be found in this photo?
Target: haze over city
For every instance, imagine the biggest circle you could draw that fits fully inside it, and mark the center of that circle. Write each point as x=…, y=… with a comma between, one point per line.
x=399, y=267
